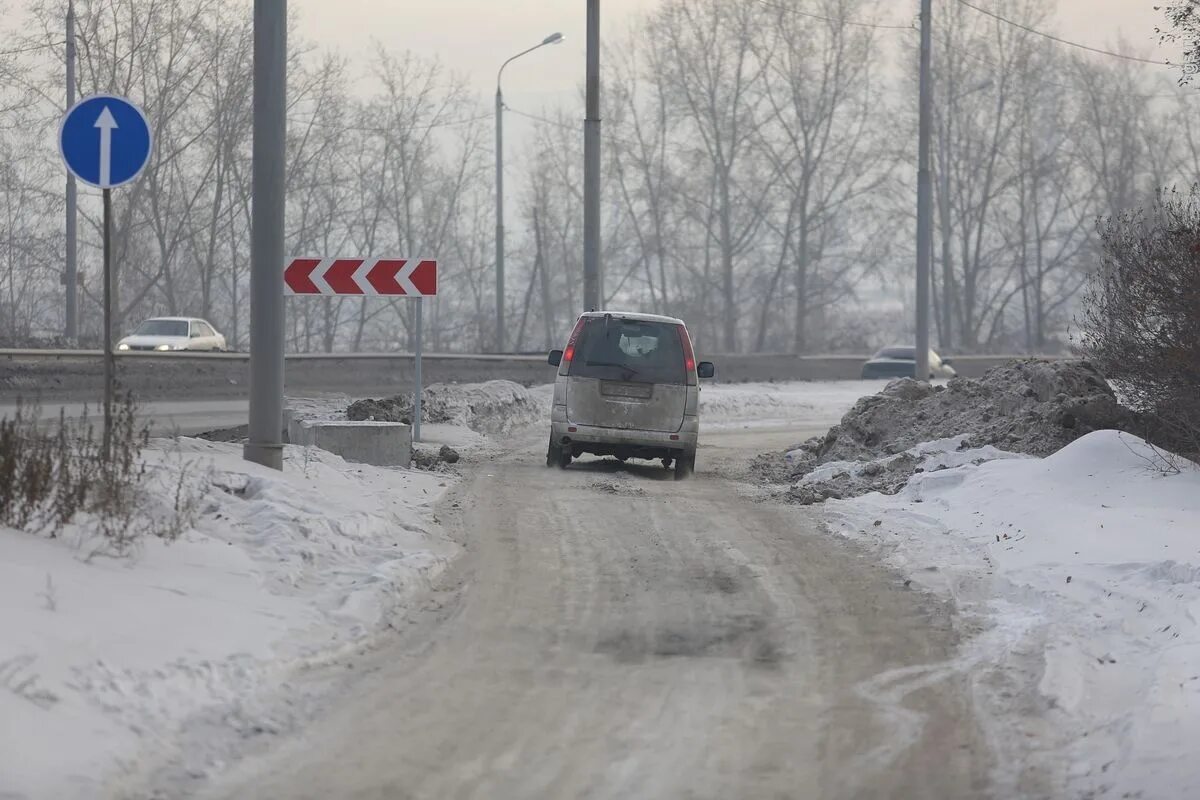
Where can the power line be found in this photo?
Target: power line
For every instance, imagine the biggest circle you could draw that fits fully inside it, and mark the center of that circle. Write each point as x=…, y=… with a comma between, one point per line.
x=386, y=129
x=678, y=149
x=996, y=68
x=1058, y=39
x=856, y=23
x=31, y=48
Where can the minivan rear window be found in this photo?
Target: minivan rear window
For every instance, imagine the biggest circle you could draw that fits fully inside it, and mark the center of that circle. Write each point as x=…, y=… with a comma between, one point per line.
x=615, y=349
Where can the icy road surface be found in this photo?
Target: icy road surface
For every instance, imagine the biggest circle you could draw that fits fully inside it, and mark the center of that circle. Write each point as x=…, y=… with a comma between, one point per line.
x=611, y=633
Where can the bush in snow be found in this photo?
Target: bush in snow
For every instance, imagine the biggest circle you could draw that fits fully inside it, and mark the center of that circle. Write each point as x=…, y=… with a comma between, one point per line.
x=1141, y=315
x=52, y=478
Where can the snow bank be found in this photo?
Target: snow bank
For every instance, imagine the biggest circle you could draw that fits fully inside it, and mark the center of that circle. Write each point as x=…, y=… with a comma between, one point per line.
x=1033, y=407
x=491, y=407
x=839, y=479
x=101, y=660
x=1099, y=544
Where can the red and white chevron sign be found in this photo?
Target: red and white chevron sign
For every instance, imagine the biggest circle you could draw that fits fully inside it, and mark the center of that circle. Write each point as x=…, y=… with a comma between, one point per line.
x=402, y=277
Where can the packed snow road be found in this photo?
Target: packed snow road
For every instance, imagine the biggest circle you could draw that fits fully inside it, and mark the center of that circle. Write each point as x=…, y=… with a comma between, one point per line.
x=612, y=633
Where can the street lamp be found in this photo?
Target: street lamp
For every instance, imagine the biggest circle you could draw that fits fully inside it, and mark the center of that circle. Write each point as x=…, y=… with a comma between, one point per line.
x=944, y=213
x=554, y=38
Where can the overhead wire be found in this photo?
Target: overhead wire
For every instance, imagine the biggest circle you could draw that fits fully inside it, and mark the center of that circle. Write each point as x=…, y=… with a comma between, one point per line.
x=1059, y=39
x=32, y=48
x=835, y=20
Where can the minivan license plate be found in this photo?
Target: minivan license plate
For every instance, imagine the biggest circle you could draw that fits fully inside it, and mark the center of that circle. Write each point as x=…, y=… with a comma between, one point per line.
x=634, y=391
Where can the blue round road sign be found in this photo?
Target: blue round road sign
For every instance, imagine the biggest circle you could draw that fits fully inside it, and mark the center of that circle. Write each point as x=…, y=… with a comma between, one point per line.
x=105, y=140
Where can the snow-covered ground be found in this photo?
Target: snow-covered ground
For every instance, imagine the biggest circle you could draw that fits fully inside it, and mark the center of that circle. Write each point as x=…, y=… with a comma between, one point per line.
x=1093, y=555
x=102, y=659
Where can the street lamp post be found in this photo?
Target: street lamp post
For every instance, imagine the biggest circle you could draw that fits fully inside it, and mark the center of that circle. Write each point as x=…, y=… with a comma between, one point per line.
x=553, y=38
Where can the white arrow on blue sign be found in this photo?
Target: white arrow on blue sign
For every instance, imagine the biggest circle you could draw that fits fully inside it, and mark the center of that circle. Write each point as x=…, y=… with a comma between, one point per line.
x=105, y=140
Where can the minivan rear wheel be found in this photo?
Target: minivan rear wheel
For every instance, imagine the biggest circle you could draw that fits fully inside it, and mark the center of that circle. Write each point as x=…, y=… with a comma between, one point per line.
x=685, y=465
x=557, y=456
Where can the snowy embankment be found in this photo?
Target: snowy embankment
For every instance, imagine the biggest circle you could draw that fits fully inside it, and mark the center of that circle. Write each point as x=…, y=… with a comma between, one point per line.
x=102, y=660
x=1091, y=556
x=1072, y=549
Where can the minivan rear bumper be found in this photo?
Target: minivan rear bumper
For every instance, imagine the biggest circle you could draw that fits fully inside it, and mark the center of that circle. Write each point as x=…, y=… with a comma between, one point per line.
x=582, y=438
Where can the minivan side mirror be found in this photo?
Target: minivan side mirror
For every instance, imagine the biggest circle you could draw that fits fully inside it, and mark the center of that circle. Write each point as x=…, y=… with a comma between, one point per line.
x=555, y=358
x=706, y=369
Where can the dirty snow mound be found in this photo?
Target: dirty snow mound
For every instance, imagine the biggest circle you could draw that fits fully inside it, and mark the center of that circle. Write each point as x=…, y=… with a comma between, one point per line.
x=888, y=475
x=492, y=407
x=1030, y=407
x=1093, y=552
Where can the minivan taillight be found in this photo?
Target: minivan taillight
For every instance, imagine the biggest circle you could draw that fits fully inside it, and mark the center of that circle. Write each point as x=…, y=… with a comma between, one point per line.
x=569, y=352
x=689, y=356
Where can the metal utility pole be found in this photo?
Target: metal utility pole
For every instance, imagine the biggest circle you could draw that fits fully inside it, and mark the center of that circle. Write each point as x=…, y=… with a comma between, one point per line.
x=71, y=276
x=265, y=441
x=593, y=282
x=924, y=196
x=554, y=38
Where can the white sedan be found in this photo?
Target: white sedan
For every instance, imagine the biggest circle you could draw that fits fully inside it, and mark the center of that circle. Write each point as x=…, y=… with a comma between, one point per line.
x=174, y=333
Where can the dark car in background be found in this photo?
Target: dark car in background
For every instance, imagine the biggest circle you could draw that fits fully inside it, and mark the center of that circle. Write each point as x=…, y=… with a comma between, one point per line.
x=900, y=361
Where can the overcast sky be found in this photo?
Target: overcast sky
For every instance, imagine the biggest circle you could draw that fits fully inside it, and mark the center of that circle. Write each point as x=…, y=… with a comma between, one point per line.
x=473, y=37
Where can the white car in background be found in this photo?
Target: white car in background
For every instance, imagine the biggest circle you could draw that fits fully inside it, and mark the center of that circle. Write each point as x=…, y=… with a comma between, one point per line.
x=166, y=334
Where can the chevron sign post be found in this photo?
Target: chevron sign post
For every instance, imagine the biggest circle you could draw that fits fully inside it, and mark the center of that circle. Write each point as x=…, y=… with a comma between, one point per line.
x=369, y=277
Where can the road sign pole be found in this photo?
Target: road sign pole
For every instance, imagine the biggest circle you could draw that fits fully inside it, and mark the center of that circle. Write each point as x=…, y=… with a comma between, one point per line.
x=110, y=376
x=419, y=387
x=265, y=440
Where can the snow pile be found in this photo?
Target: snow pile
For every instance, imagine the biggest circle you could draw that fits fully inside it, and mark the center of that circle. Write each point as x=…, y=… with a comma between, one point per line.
x=1094, y=554
x=492, y=407
x=102, y=660
x=838, y=479
x=1032, y=407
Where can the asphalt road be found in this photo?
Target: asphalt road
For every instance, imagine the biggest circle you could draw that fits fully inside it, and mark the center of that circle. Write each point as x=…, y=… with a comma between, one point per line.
x=185, y=417
x=611, y=633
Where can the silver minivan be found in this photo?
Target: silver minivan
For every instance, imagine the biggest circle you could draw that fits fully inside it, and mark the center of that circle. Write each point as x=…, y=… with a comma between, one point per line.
x=627, y=386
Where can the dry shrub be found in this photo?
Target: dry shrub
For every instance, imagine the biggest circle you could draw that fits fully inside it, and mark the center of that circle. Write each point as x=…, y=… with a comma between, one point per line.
x=53, y=475
x=1141, y=316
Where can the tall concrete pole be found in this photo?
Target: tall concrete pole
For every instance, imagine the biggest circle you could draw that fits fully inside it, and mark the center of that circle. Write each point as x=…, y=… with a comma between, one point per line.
x=71, y=328
x=593, y=282
x=499, y=218
x=924, y=195
x=265, y=441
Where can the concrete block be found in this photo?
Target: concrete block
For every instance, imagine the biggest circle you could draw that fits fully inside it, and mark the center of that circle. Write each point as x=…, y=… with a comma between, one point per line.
x=291, y=426
x=381, y=444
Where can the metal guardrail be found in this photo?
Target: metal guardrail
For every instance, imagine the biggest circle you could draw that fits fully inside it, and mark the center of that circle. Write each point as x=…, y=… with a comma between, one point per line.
x=33, y=354
x=84, y=355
